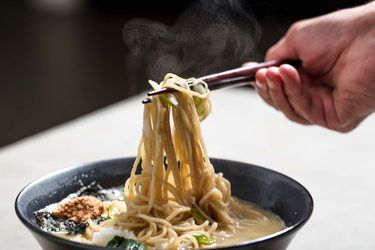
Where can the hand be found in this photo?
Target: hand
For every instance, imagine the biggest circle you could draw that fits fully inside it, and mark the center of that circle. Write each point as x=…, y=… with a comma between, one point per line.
x=335, y=87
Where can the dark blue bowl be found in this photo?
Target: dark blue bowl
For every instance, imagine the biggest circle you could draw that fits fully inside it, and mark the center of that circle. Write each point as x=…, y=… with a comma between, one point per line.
x=266, y=188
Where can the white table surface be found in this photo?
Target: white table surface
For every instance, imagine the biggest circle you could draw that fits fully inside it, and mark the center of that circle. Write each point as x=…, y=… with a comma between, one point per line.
x=338, y=169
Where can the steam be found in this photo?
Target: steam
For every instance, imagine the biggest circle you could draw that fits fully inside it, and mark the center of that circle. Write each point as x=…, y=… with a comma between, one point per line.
x=210, y=35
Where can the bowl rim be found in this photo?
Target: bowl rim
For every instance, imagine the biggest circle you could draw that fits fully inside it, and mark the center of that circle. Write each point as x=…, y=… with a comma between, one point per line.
x=35, y=229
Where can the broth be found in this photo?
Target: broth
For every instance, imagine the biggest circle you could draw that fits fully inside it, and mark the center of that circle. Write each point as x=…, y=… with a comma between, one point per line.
x=251, y=222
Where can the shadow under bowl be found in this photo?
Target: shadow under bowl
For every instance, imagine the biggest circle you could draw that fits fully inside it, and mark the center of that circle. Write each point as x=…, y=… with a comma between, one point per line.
x=266, y=188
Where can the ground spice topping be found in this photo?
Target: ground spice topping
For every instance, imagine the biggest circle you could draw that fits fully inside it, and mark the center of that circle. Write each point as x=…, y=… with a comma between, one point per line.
x=80, y=209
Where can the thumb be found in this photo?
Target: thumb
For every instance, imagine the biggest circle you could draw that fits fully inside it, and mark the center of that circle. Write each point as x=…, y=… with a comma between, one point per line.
x=283, y=49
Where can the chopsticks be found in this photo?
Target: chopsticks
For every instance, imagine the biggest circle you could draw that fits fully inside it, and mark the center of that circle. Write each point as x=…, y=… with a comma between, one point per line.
x=231, y=78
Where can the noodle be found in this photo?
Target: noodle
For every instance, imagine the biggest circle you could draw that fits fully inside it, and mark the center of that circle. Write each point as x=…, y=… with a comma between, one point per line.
x=173, y=198
x=185, y=178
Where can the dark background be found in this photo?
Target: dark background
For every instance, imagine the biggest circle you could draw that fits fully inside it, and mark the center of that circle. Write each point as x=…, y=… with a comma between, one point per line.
x=60, y=61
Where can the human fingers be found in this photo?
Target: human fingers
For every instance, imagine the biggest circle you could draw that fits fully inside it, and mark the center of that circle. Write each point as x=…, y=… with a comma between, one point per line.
x=291, y=77
x=262, y=87
x=278, y=96
x=307, y=95
x=260, y=82
x=313, y=101
x=318, y=104
x=296, y=93
x=285, y=48
x=259, y=85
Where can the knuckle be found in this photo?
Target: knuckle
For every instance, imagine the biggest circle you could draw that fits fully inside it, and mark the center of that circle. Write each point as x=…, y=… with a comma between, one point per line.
x=343, y=129
x=345, y=118
x=263, y=95
x=270, y=52
x=295, y=28
x=290, y=114
x=344, y=125
x=295, y=119
x=279, y=103
x=296, y=32
x=261, y=92
x=277, y=107
x=273, y=91
x=268, y=100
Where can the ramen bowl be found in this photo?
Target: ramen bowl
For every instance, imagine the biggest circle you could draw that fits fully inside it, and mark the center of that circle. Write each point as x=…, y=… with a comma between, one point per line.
x=268, y=189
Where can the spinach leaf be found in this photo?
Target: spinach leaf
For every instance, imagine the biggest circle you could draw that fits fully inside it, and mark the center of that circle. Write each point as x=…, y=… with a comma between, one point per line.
x=123, y=243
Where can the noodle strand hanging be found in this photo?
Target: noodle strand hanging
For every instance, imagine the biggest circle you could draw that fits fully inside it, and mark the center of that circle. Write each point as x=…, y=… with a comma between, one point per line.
x=175, y=172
